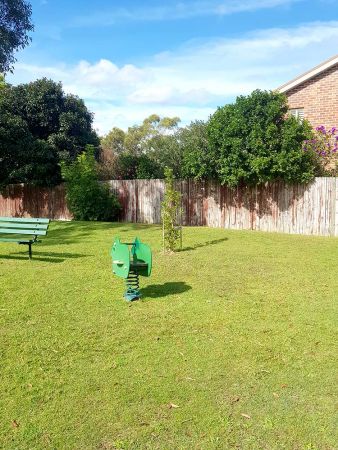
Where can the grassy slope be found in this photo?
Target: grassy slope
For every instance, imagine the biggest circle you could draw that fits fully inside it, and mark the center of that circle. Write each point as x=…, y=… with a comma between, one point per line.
x=243, y=325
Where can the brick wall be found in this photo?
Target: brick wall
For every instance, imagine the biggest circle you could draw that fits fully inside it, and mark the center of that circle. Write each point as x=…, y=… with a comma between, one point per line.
x=318, y=97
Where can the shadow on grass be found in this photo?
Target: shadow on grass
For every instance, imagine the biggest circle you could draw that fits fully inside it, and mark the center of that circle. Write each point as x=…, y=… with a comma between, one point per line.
x=165, y=289
x=50, y=257
x=203, y=244
x=138, y=226
x=73, y=232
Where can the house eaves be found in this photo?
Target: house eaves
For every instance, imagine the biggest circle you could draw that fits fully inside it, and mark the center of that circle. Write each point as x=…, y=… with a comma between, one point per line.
x=309, y=74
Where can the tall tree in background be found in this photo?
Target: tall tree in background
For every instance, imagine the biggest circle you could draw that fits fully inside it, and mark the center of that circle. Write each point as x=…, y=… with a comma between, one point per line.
x=144, y=138
x=114, y=141
x=141, y=152
x=15, y=24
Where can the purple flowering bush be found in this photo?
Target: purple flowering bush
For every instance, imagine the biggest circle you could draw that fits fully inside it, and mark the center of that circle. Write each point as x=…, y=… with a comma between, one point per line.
x=324, y=144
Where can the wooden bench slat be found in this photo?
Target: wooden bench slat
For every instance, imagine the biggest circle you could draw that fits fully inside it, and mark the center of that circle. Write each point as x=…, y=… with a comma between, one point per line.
x=17, y=231
x=24, y=220
x=29, y=226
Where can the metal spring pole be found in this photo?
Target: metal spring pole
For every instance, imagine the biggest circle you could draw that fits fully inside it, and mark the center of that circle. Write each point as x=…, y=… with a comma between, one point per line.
x=132, y=286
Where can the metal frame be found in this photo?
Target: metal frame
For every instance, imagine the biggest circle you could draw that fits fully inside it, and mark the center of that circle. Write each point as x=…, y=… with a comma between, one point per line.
x=29, y=243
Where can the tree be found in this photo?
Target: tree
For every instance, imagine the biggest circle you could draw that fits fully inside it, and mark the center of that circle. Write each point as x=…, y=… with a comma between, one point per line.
x=165, y=151
x=143, y=151
x=75, y=129
x=2, y=83
x=23, y=158
x=254, y=141
x=143, y=138
x=125, y=167
x=170, y=208
x=129, y=167
x=148, y=168
x=114, y=141
x=62, y=119
x=198, y=161
x=15, y=24
x=54, y=126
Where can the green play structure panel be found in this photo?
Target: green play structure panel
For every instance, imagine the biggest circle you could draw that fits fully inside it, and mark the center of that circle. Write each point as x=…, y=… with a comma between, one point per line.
x=121, y=260
x=131, y=260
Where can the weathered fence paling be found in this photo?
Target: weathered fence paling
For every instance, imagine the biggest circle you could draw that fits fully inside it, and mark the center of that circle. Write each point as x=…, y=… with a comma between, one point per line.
x=21, y=200
x=298, y=209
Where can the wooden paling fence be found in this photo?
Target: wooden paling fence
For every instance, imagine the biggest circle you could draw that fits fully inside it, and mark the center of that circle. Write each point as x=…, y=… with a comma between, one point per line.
x=298, y=209
x=19, y=200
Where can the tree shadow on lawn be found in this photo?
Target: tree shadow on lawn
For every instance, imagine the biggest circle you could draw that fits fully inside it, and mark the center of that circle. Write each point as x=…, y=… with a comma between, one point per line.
x=62, y=233
x=73, y=232
x=165, y=289
x=204, y=244
x=50, y=257
x=138, y=226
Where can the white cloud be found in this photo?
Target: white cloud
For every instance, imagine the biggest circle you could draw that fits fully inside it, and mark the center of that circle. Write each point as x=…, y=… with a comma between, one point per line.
x=175, y=11
x=193, y=80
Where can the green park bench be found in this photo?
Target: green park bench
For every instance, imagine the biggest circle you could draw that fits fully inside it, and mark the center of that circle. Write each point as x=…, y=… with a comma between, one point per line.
x=22, y=231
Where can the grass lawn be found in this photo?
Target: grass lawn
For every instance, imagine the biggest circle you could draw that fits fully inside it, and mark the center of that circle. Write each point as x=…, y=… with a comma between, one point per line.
x=232, y=346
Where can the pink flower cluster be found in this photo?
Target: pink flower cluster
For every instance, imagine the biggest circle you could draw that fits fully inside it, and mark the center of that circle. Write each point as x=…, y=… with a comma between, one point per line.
x=325, y=143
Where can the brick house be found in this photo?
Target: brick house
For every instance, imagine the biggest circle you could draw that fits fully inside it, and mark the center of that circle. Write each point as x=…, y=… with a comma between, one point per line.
x=314, y=94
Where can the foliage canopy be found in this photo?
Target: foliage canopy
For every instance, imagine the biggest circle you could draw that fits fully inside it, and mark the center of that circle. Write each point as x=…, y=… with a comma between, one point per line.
x=254, y=141
x=39, y=126
x=143, y=150
x=15, y=24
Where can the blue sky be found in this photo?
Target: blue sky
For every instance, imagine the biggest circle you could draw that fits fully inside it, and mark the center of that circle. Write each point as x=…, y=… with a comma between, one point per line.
x=128, y=59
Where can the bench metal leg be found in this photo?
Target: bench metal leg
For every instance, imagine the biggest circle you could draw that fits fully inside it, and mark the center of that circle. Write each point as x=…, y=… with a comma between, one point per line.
x=29, y=248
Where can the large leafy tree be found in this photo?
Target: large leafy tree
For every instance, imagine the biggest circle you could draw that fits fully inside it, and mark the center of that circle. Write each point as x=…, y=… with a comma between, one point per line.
x=24, y=159
x=40, y=126
x=198, y=160
x=254, y=141
x=15, y=24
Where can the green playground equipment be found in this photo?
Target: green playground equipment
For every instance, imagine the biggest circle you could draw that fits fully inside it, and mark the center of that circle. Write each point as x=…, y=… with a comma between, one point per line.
x=130, y=260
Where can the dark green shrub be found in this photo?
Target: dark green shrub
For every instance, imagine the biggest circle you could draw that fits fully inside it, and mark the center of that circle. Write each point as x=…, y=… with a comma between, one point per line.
x=87, y=198
x=129, y=167
x=255, y=141
x=148, y=168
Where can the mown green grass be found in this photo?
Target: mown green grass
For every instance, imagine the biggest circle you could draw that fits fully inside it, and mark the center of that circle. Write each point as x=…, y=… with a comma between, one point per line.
x=237, y=323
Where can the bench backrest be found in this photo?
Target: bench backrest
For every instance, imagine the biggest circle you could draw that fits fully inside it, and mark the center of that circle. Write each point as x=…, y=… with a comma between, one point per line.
x=18, y=225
